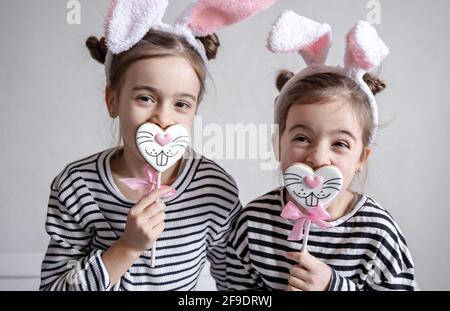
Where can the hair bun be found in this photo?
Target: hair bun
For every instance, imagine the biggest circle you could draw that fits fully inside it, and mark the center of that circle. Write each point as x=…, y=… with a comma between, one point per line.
x=97, y=48
x=375, y=84
x=283, y=77
x=211, y=44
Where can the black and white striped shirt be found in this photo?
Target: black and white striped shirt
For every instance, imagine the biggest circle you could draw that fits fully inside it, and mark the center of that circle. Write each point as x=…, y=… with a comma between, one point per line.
x=87, y=214
x=365, y=248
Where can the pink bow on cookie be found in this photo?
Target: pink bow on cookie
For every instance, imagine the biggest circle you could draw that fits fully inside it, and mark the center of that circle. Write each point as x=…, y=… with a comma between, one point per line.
x=317, y=215
x=150, y=183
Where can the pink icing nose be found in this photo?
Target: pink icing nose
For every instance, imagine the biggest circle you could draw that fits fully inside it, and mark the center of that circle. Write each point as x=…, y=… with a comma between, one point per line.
x=163, y=139
x=313, y=182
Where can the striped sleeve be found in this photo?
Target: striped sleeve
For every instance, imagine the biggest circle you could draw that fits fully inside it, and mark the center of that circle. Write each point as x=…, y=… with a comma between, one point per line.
x=69, y=263
x=392, y=267
x=340, y=283
x=240, y=273
x=216, y=254
x=220, y=188
x=403, y=280
x=393, y=264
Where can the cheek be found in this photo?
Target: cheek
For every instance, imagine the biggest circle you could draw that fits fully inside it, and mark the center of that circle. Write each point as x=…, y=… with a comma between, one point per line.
x=284, y=153
x=286, y=159
x=133, y=114
x=130, y=119
x=288, y=154
x=348, y=177
x=185, y=119
x=128, y=133
x=348, y=168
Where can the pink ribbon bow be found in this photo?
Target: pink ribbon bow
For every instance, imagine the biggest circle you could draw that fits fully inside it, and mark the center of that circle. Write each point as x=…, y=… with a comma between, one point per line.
x=150, y=183
x=317, y=215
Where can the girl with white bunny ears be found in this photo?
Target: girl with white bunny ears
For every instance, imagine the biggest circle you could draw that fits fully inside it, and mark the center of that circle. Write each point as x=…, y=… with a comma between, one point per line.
x=100, y=230
x=327, y=115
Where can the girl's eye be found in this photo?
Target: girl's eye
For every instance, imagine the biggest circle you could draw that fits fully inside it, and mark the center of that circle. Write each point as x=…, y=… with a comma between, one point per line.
x=182, y=105
x=301, y=138
x=146, y=99
x=342, y=144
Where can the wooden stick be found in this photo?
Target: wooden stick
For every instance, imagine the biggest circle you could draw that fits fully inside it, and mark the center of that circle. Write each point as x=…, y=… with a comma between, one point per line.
x=305, y=237
x=153, y=260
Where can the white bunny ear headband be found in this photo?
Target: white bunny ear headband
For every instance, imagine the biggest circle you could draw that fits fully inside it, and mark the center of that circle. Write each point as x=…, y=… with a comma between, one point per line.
x=129, y=20
x=364, y=51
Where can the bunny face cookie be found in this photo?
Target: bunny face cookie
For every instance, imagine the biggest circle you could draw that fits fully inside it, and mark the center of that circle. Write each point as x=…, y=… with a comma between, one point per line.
x=161, y=149
x=311, y=188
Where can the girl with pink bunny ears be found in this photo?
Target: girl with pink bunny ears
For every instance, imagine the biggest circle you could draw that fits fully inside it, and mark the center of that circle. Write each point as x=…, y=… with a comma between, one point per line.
x=102, y=231
x=327, y=115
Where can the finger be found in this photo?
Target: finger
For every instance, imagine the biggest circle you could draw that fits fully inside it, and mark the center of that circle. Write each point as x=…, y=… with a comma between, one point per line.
x=293, y=289
x=296, y=256
x=299, y=272
x=171, y=193
x=297, y=283
x=308, y=262
x=159, y=229
x=303, y=259
x=149, y=198
x=156, y=220
x=153, y=209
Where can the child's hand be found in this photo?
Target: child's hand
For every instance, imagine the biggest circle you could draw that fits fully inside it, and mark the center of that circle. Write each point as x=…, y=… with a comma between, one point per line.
x=310, y=274
x=145, y=222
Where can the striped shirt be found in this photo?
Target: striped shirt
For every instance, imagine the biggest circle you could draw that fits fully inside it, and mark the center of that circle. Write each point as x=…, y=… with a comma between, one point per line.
x=87, y=214
x=365, y=248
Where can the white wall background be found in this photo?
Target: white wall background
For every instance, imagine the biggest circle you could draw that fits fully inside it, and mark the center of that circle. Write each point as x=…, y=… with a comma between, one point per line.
x=52, y=112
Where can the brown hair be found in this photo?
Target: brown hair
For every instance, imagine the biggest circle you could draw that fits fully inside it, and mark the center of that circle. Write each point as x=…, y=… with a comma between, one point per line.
x=321, y=87
x=154, y=44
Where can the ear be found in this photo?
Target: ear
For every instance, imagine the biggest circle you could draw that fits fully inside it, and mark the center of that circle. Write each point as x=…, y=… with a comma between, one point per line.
x=294, y=33
x=111, y=102
x=365, y=155
x=205, y=17
x=129, y=20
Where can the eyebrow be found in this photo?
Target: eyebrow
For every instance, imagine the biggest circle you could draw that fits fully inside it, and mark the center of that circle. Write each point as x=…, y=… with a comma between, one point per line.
x=299, y=126
x=155, y=90
x=302, y=126
x=145, y=87
x=347, y=133
x=194, y=98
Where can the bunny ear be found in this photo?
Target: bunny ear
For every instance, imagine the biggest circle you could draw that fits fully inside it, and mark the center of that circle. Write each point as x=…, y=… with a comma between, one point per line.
x=294, y=33
x=129, y=20
x=205, y=17
x=365, y=50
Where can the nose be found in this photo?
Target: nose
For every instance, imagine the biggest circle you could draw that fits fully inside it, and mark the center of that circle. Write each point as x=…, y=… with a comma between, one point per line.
x=161, y=116
x=317, y=157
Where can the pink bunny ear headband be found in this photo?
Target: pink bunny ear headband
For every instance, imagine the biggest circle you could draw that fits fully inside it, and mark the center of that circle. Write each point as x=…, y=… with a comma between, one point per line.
x=365, y=51
x=129, y=20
